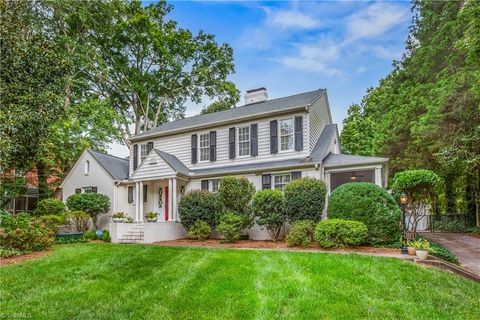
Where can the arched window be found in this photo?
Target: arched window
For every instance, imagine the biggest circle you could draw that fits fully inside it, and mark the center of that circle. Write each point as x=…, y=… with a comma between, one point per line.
x=87, y=167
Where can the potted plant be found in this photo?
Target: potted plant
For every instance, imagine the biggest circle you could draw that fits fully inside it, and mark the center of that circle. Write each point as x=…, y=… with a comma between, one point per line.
x=151, y=216
x=411, y=247
x=118, y=217
x=421, y=248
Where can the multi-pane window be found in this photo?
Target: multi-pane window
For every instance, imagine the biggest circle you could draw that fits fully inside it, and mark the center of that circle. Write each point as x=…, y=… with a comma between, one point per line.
x=244, y=141
x=214, y=185
x=286, y=134
x=87, y=189
x=205, y=147
x=281, y=180
x=143, y=152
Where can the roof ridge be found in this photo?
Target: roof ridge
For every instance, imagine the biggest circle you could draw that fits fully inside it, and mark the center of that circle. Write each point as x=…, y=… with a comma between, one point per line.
x=106, y=154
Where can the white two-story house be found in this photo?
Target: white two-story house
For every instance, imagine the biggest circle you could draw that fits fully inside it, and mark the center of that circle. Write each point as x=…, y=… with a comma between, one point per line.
x=271, y=142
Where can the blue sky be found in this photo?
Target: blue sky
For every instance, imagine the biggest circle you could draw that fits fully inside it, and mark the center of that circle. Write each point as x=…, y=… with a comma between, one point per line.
x=292, y=47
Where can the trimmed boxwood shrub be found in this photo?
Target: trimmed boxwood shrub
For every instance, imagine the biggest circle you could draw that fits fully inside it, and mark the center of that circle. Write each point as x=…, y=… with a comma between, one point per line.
x=268, y=207
x=301, y=233
x=200, y=230
x=53, y=221
x=79, y=219
x=24, y=233
x=338, y=233
x=234, y=195
x=370, y=204
x=305, y=199
x=230, y=226
x=197, y=205
x=93, y=204
x=49, y=206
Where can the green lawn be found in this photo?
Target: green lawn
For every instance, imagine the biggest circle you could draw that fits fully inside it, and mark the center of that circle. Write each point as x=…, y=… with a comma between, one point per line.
x=108, y=281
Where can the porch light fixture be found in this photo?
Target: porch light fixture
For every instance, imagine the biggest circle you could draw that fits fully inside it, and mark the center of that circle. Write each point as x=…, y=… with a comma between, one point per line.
x=353, y=177
x=403, y=199
x=403, y=204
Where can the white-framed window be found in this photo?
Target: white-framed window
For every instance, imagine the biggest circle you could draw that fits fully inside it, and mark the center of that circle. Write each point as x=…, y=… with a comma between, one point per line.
x=280, y=180
x=286, y=134
x=214, y=185
x=87, y=190
x=87, y=167
x=244, y=141
x=143, y=152
x=204, y=147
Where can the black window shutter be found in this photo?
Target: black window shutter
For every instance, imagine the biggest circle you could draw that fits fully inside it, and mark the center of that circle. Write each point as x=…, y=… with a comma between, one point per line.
x=135, y=156
x=149, y=147
x=266, y=181
x=94, y=189
x=194, y=148
x=231, y=143
x=213, y=145
x=299, y=133
x=254, y=139
x=77, y=191
x=296, y=175
x=204, y=184
x=273, y=136
x=130, y=194
x=145, y=191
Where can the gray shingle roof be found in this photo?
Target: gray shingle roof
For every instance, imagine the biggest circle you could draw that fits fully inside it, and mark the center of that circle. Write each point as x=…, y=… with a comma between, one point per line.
x=319, y=152
x=255, y=109
x=173, y=162
x=333, y=160
x=116, y=167
x=252, y=167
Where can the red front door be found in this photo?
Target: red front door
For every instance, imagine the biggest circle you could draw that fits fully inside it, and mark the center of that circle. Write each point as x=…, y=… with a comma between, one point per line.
x=166, y=203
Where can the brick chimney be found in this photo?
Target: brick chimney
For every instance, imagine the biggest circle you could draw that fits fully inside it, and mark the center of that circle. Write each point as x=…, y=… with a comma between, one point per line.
x=256, y=95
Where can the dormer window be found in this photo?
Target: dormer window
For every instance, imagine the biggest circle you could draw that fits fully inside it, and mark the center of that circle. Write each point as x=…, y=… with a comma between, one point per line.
x=87, y=167
x=205, y=147
x=286, y=134
x=244, y=141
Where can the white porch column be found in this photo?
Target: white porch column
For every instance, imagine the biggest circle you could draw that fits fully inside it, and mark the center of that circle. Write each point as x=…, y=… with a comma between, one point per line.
x=170, y=197
x=137, y=202
x=174, y=199
x=378, y=176
x=140, y=201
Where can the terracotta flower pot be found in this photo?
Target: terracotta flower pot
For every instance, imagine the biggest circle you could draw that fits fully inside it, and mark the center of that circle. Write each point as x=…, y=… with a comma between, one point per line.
x=422, y=254
x=411, y=251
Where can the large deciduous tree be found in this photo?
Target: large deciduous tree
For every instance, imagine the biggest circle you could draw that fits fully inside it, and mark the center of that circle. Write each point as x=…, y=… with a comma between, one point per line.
x=151, y=67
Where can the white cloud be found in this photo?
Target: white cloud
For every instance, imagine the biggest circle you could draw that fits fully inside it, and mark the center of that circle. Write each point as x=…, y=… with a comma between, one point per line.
x=361, y=69
x=290, y=19
x=309, y=65
x=376, y=20
x=387, y=53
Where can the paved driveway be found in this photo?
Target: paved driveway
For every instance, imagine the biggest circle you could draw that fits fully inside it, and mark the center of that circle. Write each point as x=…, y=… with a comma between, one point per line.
x=466, y=248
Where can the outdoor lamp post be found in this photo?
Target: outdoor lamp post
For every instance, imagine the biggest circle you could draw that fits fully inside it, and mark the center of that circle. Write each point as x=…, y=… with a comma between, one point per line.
x=403, y=204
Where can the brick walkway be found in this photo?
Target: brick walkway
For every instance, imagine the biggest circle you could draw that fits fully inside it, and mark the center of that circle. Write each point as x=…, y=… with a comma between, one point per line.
x=466, y=248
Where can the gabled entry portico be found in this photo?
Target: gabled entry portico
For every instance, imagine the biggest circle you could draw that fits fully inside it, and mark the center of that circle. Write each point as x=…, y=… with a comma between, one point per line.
x=158, y=181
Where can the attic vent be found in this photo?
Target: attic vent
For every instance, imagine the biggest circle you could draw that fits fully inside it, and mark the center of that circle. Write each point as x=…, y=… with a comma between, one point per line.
x=256, y=95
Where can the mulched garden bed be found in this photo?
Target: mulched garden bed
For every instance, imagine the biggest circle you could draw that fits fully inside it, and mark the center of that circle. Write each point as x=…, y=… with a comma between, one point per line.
x=24, y=257
x=257, y=244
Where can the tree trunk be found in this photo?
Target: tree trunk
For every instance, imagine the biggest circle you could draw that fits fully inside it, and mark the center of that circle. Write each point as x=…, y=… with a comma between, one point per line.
x=43, y=191
x=449, y=194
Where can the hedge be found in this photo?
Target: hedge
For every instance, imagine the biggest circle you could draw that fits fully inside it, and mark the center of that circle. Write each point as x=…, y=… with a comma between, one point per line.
x=305, y=199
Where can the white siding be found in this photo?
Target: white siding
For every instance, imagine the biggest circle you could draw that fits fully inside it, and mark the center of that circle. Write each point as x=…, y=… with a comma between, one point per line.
x=179, y=145
x=97, y=177
x=153, y=166
x=318, y=119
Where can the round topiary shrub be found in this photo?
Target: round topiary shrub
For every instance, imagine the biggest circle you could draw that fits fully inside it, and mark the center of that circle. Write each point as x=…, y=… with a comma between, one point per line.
x=268, y=207
x=370, y=204
x=94, y=204
x=305, y=199
x=197, y=205
x=301, y=233
x=338, y=233
x=234, y=195
x=49, y=206
x=230, y=226
x=200, y=230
